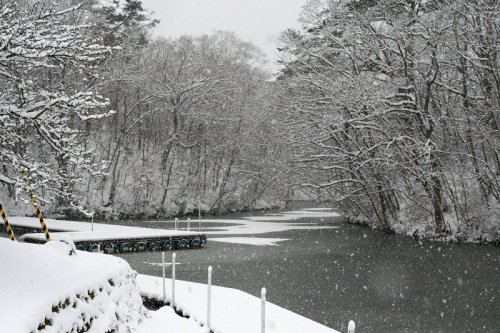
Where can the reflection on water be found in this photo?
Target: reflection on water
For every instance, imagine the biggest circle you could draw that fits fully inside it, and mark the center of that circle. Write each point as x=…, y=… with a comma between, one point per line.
x=386, y=283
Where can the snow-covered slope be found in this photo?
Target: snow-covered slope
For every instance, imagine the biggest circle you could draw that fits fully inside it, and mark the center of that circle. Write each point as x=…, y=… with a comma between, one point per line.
x=166, y=320
x=232, y=310
x=44, y=289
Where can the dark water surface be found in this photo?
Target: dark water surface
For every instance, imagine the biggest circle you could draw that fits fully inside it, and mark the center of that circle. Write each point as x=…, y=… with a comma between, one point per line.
x=385, y=283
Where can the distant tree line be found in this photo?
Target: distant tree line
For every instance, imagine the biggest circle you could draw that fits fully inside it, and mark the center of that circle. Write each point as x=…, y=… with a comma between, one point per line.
x=103, y=117
x=190, y=129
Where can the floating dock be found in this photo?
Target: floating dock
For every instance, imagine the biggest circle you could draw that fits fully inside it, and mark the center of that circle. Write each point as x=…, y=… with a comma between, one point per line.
x=109, y=238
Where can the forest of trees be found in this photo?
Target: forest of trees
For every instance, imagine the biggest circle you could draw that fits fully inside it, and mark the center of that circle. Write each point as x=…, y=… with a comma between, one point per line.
x=106, y=118
x=387, y=109
x=392, y=109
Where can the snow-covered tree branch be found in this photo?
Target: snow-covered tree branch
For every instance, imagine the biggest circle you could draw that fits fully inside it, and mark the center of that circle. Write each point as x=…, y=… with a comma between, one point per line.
x=45, y=61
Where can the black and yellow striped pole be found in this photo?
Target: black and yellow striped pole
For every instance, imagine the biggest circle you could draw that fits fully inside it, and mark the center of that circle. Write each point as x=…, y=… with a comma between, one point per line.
x=37, y=209
x=8, y=228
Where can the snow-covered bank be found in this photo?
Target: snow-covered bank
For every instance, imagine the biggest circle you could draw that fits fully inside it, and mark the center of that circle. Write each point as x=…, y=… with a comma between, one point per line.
x=425, y=230
x=232, y=310
x=81, y=231
x=44, y=288
x=166, y=320
x=98, y=228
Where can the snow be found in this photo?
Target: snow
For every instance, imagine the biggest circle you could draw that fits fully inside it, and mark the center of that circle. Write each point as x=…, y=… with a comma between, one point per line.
x=248, y=227
x=45, y=286
x=381, y=27
x=231, y=309
x=42, y=283
x=272, y=218
x=6, y=180
x=264, y=224
x=104, y=235
x=85, y=226
x=166, y=320
x=80, y=231
x=250, y=240
x=159, y=264
x=295, y=215
x=271, y=223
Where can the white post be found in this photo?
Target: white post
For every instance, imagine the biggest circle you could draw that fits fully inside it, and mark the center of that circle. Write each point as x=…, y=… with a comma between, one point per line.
x=173, y=280
x=209, y=296
x=176, y=220
x=189, y=224
x=199, y=214
x=263, y=311
x=351, y=327
x=163, y=273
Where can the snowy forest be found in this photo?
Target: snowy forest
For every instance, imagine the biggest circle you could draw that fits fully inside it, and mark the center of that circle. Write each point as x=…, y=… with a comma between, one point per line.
x=388, y=110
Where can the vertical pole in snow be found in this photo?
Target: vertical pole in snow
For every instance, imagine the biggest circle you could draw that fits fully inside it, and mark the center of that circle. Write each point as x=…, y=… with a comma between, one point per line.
x=351, y=327
x=40, y=216
x=175, y=225
x=209, y=295
x=37, y=208
x=263, y=311
x=199, y=214
x=163, y=274
x=173, y=280
x=8, y=228
x=189, y=224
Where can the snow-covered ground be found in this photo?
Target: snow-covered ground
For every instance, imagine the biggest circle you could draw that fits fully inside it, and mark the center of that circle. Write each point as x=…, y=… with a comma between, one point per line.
x=166, y=320
x=43, y=286
x=63, y=225
x=231, y=310
x=84, y=229
x=46, y=289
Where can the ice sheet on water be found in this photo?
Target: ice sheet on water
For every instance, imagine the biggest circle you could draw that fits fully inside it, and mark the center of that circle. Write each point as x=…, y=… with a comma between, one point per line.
x=250, y=240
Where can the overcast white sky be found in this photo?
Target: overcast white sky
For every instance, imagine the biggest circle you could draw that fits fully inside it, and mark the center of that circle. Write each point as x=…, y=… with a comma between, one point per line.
x=258, y=21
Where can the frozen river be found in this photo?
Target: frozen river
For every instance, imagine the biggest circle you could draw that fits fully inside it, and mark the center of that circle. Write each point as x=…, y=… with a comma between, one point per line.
x=386, y=283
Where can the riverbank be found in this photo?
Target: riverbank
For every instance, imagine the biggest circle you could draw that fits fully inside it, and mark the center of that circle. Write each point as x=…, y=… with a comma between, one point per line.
x=425, y=231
